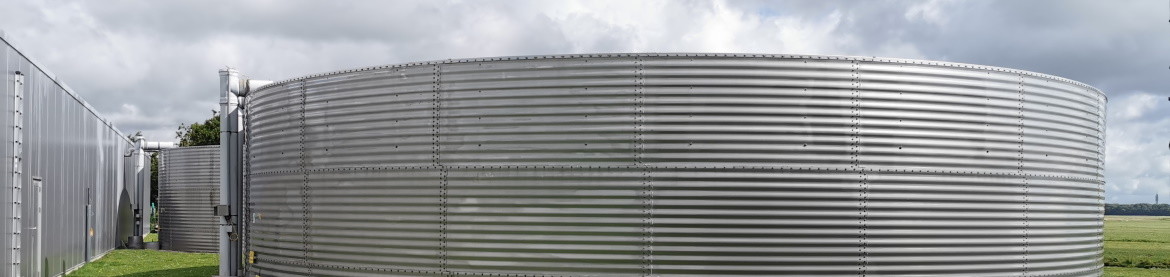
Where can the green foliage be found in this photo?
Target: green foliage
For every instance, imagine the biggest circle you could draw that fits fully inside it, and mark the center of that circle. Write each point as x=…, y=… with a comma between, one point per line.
x=151, y=263
x=1138, y=209
x=151, y=237
x=196, y=134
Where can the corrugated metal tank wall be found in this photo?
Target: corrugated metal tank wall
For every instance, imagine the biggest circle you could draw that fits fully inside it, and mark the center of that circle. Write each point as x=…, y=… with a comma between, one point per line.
x=79, y=157
x=188, y=190
x=676, y=165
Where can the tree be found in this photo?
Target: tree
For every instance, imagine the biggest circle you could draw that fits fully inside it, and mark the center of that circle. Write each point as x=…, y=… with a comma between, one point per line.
x=196, y=134
x=1137, y=209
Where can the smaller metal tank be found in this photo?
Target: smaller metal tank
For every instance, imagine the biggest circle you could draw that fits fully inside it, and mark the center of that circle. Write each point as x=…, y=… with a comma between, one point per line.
x=188, y=189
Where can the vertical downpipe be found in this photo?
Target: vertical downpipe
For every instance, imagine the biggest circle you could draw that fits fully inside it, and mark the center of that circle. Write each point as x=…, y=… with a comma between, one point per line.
x=140, y=180
x=147, y=208
x=229, y=88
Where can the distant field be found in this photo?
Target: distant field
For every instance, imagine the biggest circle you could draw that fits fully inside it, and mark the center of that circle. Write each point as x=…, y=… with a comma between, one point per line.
x=1137, y=246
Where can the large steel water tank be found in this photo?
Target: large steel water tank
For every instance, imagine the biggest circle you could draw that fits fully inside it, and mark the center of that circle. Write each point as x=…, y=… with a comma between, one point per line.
x=675, y=165
x=188, y=190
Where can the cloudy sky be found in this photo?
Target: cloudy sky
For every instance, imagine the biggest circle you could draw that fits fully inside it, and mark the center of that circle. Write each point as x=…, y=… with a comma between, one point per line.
x=151, y=65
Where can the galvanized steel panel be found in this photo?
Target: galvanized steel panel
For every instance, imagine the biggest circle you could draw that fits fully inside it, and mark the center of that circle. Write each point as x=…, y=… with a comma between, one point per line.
x=188, y=190
x=676, y=164
x=78, y=156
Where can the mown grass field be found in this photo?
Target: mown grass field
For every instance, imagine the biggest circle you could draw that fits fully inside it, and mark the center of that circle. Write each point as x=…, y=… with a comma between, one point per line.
x=1137, y=246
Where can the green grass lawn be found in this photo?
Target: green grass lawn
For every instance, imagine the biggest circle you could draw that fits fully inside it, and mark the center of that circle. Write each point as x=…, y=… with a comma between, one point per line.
x=1136, y=272
x=1137, y=246
x=1137, y=254
x=152, y=237
x=151, y=263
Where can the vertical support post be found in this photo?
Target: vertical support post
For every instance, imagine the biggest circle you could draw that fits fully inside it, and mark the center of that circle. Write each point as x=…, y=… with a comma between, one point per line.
x=229, y=174
x=17, y=148
x=142, y=196
x=147, y=209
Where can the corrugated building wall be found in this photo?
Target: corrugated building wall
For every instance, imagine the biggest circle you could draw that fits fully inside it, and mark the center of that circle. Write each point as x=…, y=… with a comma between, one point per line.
x=188, y=190
x=675, y=165
x=78, y=159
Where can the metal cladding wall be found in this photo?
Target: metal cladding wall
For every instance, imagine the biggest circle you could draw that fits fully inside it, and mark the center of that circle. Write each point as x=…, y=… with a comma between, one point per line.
x=77, y=155
x=676, y=164
x=188, y=190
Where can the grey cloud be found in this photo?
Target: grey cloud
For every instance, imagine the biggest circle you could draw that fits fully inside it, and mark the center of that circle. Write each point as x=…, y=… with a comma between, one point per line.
x=150, y=65
x=1111, y=44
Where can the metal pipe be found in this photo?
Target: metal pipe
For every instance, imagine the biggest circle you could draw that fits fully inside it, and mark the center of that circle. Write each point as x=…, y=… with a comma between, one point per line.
x=252, y=85
x=142, y=175
x=153, y=146
x=141, y=196
x=147, y=209
x=232, y=92
x=229, y=101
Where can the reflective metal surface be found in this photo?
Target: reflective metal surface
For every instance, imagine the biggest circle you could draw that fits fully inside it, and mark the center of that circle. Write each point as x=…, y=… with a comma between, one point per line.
x=675, y=165
x=78, y=158
x=188, y=190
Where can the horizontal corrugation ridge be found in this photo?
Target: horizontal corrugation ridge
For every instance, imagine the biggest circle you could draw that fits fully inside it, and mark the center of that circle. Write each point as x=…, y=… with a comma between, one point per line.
x=681, y=165
x=188, y=190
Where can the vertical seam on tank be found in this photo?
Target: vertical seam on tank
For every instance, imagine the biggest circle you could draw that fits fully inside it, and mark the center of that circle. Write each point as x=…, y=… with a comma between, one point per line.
x=1102, y=113
x=163, y=222
x=862, y=176
x=640, y=163
x=245, y=217
x=436, y=105
x=304, y=185
x=163, y=179
x=1020, y=168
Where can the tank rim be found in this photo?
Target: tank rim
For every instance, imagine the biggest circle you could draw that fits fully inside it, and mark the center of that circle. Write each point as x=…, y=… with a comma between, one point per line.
x=720, y=55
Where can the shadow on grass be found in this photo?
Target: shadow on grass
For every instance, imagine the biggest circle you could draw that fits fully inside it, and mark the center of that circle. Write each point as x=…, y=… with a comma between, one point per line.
x=200, y=271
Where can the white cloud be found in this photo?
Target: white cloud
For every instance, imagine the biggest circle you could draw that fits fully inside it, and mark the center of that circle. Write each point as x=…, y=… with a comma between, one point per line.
x=928, y=11
x=1136, y=105
x=1137, y=157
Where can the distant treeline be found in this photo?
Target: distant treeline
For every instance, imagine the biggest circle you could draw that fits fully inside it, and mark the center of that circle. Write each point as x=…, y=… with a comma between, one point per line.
x=1137, y=209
